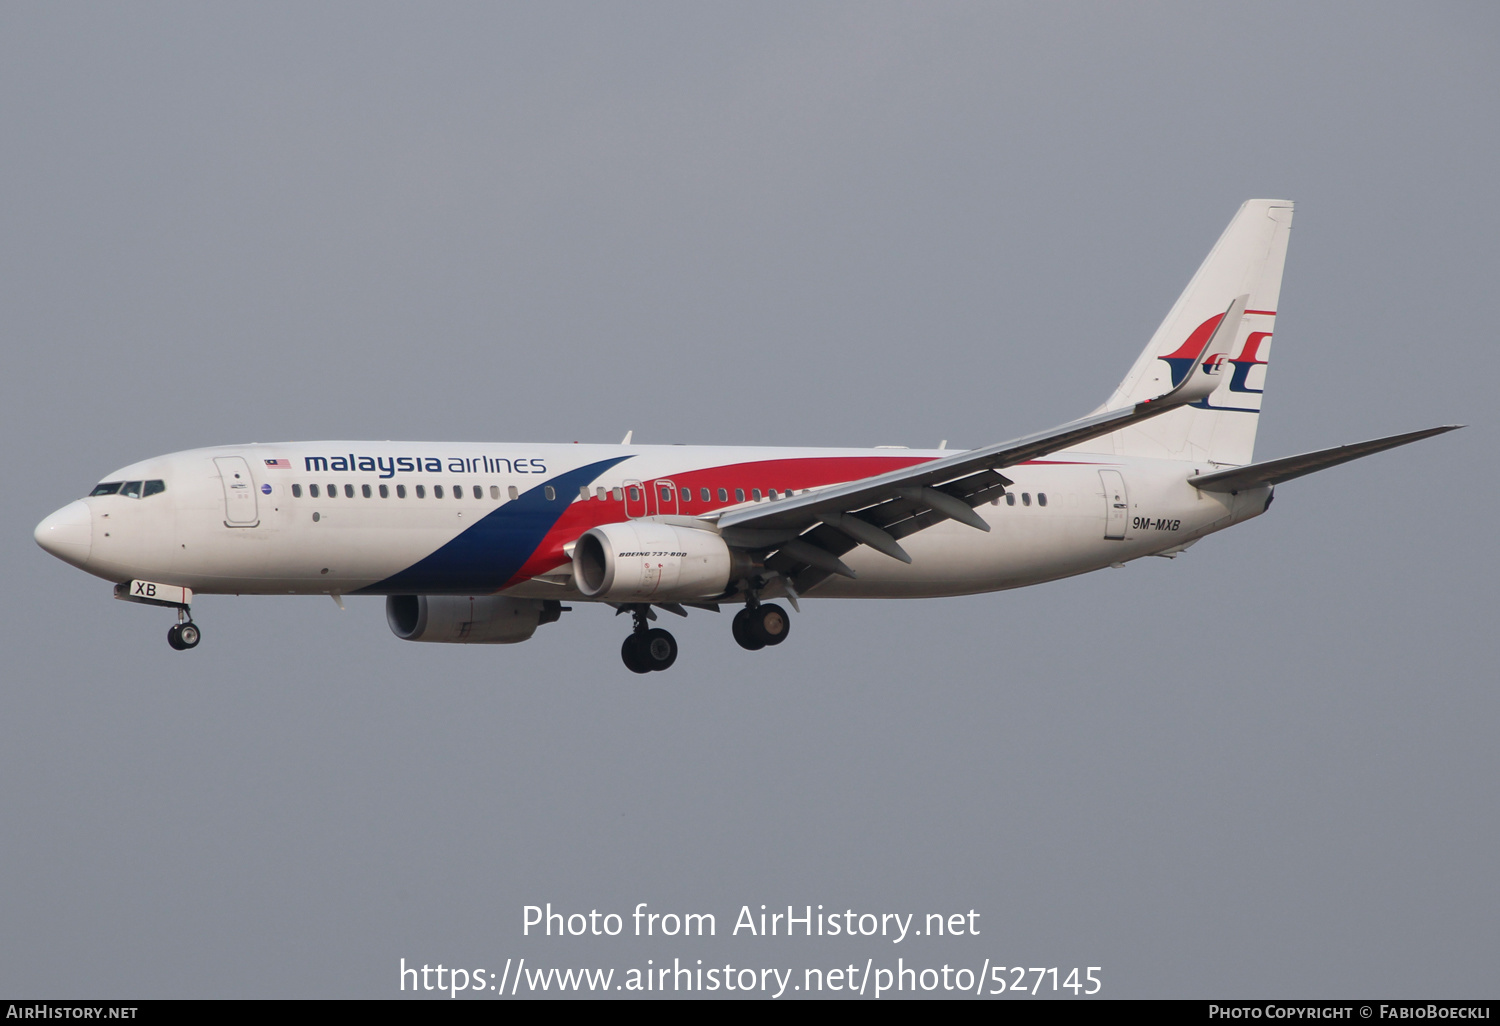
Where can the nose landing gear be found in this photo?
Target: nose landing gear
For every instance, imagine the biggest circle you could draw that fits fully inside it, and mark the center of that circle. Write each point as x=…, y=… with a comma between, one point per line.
x=184, y=633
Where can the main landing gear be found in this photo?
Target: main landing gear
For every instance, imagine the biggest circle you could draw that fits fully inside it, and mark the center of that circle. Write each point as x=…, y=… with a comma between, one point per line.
x=651, y=648
x=760, y=625
x=647, y=648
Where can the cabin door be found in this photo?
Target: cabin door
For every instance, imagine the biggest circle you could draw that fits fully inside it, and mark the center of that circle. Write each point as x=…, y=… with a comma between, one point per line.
x=1116, y=505
x=239, y=492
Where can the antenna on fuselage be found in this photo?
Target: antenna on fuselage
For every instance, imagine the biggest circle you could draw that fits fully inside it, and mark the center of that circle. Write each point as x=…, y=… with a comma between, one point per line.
x=626, y=439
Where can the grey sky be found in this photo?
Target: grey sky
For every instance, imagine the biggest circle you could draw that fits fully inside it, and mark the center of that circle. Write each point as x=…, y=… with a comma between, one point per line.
x=1264, y=769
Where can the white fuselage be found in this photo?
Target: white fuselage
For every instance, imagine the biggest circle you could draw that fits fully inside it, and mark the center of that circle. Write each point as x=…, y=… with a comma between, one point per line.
x=474, y=519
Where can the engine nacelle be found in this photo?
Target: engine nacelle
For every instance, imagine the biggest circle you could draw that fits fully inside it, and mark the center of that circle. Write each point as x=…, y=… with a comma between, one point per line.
x=638, y=561
x=483, y=620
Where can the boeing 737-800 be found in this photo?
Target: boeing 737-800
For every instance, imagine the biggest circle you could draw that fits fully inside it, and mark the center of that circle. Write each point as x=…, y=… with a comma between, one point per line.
x=483, y=543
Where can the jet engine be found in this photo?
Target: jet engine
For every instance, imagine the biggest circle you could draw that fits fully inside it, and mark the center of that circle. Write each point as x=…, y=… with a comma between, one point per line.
x=483, y=620
x=638, y=561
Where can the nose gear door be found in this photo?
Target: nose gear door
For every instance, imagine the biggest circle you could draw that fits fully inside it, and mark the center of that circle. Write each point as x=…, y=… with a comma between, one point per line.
x=240, y=509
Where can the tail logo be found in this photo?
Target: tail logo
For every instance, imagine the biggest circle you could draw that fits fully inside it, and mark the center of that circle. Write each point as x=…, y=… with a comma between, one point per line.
x=1247, y=359
x=1181, y=361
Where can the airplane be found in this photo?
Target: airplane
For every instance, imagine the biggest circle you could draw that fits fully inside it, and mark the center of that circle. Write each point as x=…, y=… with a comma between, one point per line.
x=484, y=543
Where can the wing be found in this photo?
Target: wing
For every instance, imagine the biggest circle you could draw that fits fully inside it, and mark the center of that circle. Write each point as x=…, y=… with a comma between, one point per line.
x=1277, y=471
x=805, y=535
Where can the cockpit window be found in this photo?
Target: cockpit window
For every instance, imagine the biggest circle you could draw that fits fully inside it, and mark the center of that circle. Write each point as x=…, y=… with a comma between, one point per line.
x=130, y=489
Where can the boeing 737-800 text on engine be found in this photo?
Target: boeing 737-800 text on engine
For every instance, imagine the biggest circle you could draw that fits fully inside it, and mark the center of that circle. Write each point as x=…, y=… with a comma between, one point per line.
x=484, y=543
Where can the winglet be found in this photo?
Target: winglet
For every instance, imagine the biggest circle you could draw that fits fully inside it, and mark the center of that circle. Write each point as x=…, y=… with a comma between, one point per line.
x=1202, y=377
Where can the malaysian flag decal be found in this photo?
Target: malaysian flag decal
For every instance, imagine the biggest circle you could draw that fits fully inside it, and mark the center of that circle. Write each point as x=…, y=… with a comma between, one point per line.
x=279, y=464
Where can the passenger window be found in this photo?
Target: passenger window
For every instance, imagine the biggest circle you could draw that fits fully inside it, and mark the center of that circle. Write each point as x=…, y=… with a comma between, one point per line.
x=619, y=494
x=723, y=494
x=755, y=494
x=107, y=488
x=421, y=491
x=635, y=495
x=131, y=489
x=385, y=493
x=364, y=490
x=458, y=491
x=550, y=493
x=666, y=495
x=155, y=488
x=1041, y=498
x=333, y=490
x=739, y=495
x=297, y=491
x=478, y=492
x=495, y=492
x=513, y=493
x=1026, y=498
x=401, y=491
x=437, y=491
x=1010, y=498
x=583, y=492
x=600, y=493
x=703, y=492
x=687, y=495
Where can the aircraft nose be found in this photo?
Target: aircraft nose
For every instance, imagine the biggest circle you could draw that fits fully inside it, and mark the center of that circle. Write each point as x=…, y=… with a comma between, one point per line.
x=69, y=533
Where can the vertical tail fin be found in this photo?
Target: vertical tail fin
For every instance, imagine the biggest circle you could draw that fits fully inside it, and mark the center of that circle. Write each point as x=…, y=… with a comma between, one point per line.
x=1247, y=259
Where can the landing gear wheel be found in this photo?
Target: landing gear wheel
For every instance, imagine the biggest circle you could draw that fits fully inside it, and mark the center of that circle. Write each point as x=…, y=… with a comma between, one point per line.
x=633, y=655
x=658, y=649
x=740, y=625
x=645, y=651
x=768, y=624
x=183, y=636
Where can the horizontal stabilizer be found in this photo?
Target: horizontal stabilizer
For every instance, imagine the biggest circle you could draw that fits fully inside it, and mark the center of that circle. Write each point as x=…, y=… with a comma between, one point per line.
x=1277, y=471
